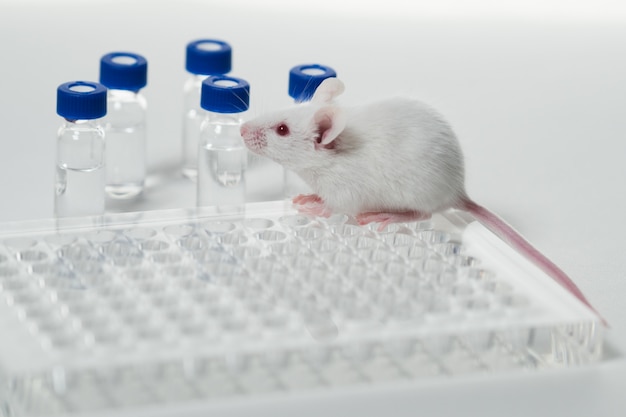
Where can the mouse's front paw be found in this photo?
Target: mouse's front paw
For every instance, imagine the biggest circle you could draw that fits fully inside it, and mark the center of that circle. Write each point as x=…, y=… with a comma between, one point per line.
x=312, y=205
x=302, y=199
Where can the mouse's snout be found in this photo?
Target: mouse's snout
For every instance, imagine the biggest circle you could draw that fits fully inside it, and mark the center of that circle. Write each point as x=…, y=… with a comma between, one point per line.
x=253, y=137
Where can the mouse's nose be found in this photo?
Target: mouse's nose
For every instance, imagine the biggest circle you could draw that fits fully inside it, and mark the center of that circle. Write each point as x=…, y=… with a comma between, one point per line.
x=244, y=130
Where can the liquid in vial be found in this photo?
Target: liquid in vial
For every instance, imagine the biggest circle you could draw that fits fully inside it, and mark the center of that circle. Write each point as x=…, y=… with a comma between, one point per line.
x=80, y=174
x=221, y=170
x=192, y=122
x=75, y=191
x=222, y=155
x=125, y=178
x=125, y=74
x=204, y=57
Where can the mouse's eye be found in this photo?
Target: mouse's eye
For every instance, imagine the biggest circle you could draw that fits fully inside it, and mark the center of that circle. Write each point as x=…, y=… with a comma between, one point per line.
x=282, y=129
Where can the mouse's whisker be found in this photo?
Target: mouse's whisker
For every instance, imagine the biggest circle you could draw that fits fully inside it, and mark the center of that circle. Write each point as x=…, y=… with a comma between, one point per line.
x=241, y=100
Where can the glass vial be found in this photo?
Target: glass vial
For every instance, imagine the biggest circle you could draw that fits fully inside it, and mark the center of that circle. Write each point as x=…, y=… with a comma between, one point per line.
x=222, y=155
x=80, y=174
x=125, y=74
x=203, y=58
x=303, y=81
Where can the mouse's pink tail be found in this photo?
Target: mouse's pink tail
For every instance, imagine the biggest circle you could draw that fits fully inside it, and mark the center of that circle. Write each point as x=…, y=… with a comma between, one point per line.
x=515, y=240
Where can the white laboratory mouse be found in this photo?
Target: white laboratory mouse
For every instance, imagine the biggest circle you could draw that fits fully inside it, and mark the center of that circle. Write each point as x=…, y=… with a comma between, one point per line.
x=389, y=161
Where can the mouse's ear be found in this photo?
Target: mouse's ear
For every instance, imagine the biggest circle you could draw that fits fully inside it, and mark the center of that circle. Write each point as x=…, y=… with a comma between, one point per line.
x=330, y=121
x=328, y=90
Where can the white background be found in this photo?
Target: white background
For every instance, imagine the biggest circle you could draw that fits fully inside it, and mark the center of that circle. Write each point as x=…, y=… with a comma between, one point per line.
x=536, y=91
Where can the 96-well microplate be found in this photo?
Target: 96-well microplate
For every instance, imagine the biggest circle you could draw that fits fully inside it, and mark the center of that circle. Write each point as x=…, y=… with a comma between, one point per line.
x=163, y=307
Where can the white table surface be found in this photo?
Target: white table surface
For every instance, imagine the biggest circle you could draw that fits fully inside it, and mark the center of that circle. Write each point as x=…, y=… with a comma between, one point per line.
x=536, y=91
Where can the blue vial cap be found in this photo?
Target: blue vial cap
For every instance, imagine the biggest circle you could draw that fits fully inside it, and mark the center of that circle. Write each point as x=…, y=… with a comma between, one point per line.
x=208, y=57
x=124, y=71
x=224, y=94
x=304, y=80
x=81, y=100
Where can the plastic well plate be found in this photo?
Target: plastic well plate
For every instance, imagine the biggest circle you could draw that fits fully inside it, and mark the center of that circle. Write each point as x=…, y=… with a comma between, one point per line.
x=175, y=306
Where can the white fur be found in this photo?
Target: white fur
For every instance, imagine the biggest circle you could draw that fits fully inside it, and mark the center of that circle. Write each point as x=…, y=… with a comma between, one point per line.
x=395, y=155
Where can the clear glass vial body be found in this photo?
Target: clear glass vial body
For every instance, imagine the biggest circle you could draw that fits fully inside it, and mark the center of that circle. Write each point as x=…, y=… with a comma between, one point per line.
x=80, y=173
x=193, y=117
x=125, y=129
x=222, y=162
